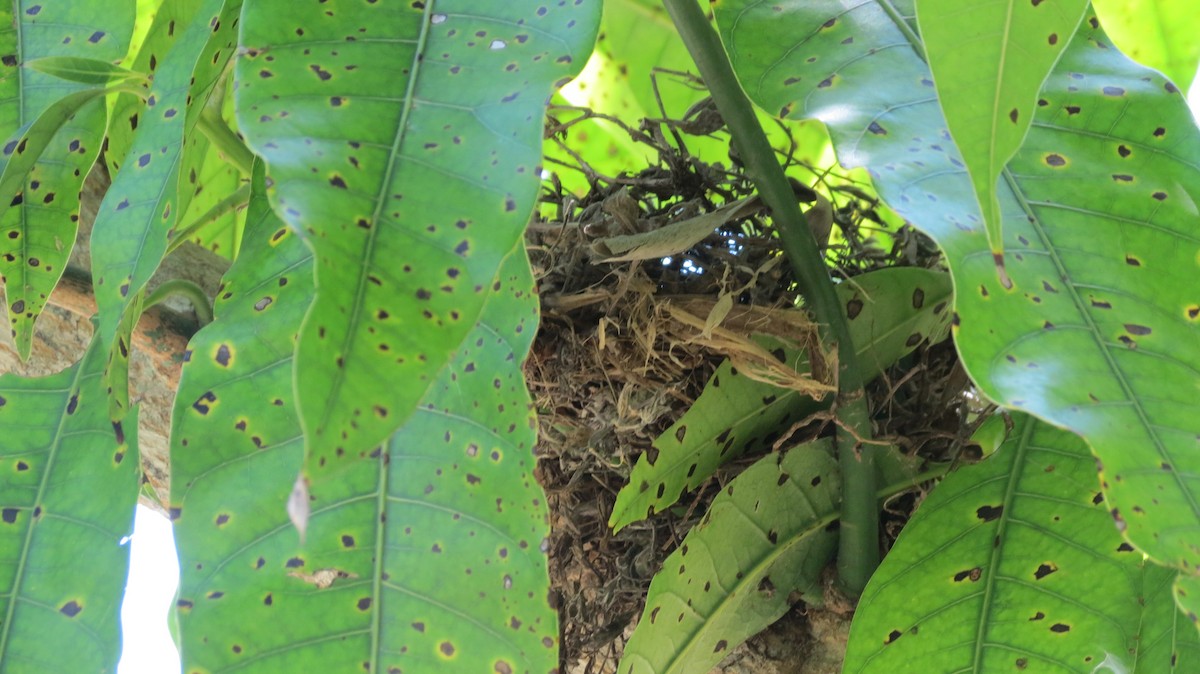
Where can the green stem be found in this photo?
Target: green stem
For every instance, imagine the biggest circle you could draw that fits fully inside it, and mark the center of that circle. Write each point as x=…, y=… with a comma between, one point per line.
x=188, y=290
x=226, y=141
x=227, y=205
x=858, y=553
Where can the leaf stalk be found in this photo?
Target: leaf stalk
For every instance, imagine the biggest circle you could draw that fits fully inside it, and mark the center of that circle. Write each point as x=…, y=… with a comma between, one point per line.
x=858, y=553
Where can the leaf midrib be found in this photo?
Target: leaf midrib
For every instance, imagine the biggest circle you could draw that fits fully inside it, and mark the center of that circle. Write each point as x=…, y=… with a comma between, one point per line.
x=993, y=569
x=381, y=198
x=1060, y=267
x=765, y=563
x=355, y=317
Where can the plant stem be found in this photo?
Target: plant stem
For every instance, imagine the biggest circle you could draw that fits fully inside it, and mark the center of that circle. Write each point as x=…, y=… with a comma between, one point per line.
x=186, y=289
x=858, y=553
x=227, y=142
x=227, y=205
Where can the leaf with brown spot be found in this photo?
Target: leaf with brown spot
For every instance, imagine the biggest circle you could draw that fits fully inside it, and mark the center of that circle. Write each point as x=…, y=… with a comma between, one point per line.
x=128, y=243
x=774, y=494
x=51, y=130
x=64, y=514
x=449, y=549
x=989, y=60
x=1049, y=556
x=397, y=95
x=1116, y=254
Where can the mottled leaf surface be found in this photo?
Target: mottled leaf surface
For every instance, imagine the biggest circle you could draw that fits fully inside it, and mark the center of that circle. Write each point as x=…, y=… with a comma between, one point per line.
x=1100, y=333
x=404, y=143
x=989, y=60
x=891, y=312
x=1010, y=565
x=67, y=491
x=140, y=209
x=40, y=218
x=759, y=549
x=425, y=558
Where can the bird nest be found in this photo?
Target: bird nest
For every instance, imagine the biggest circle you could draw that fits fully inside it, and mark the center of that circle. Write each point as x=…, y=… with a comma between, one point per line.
x=626, y=346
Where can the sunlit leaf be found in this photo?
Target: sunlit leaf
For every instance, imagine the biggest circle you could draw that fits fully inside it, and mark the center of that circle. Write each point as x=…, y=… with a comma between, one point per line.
x=989, y=60
x=403, y=142
x=1100, y=334
x=1157, y=33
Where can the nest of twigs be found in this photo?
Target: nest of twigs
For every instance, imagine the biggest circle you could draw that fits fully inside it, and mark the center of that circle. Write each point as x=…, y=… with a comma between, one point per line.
x=626, y=347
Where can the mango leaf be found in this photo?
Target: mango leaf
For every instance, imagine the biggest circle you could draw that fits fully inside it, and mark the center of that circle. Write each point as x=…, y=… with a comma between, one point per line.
x=83, y=70
x=404, y=145
x=42, y=211
x=67, y=495
x=759, y=549
x=891, y=312
x=26, y=147
x=1010, y=564
x=135, y=219
x=235, y=423
x=1187, y=592
x=166, y=19
x=1100, y=333
x=216, y=215
x=1156, y=33
x=425, y=558
x=989, y=60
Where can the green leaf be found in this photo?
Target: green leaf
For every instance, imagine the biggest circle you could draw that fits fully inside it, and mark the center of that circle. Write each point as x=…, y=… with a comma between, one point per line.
x=235, y=424
x=404, y=145
x=134, y=222
x=1011, y=564
x=215, y=217
x=1099, y=334
x=1156, y=33
x=1186, y=592
x=891, y=312
x=26, y=147
x=428, y=558
x=40, y=223
x=989, y=60
x=761, y=546
x=155, y=41
x=67, y=494
x=83, y=70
